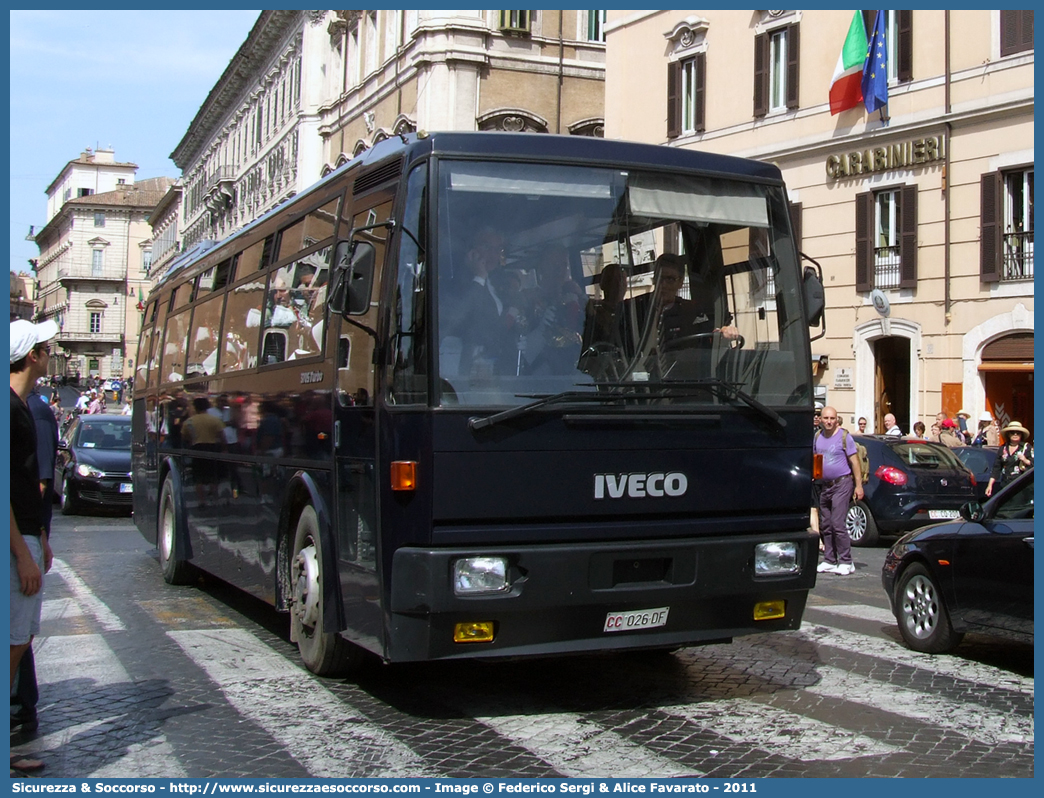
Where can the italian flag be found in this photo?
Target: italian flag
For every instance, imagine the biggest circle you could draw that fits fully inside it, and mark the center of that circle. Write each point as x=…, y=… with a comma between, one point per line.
x=845, y=89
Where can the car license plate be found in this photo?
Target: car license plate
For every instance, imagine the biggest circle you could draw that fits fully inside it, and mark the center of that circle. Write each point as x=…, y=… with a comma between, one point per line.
x=942, y=514
x=636, y=619
x=126, y=487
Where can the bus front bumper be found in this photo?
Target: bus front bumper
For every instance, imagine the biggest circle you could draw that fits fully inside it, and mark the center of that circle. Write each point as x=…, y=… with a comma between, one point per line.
x=583, y=597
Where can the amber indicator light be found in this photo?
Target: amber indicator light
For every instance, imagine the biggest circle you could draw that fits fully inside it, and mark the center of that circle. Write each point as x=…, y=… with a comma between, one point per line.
x=404, y=475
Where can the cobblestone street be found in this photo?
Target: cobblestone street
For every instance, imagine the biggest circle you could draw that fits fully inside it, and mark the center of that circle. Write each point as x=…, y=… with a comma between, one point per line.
x=141, y=679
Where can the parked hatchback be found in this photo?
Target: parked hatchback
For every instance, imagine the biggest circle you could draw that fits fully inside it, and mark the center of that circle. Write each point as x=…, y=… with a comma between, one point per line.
x=972, y=574
x=94, y=463
x=979, y=460
x=912, y=483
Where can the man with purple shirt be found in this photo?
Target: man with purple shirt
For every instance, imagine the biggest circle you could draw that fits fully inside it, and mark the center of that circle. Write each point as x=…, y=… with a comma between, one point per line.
x=842, y=479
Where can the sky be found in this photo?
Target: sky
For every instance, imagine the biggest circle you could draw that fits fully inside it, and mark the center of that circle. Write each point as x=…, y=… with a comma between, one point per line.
x=131, y=81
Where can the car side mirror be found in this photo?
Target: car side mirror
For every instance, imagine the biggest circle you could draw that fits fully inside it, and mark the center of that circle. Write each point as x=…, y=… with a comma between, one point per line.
x=972, y=511
x=63, y=445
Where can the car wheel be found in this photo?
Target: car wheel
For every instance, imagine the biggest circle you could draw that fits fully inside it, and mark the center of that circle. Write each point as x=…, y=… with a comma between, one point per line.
x=862, y=528
x=67, y=501
x=175, y=571
x=923, y=620
x=323, y=653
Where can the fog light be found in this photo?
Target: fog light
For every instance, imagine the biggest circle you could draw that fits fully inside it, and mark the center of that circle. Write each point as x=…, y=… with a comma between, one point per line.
x=478, y=575
x=769, y=610
x=771, y=559
x=473, y=632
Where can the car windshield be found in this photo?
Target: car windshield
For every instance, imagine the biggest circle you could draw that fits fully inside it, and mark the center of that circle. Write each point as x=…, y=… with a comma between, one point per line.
x=924, y=455
x=104, y=435
x=977, y=460
x=558, y=279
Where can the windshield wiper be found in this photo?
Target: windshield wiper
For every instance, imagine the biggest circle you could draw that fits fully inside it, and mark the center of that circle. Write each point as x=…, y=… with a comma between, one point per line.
x=725, y=390
x=526, y=409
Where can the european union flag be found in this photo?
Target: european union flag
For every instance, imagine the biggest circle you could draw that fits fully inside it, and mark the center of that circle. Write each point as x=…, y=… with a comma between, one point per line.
x=875, y=68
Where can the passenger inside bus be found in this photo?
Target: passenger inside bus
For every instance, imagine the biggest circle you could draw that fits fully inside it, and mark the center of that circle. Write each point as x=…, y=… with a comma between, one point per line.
x=554, y=310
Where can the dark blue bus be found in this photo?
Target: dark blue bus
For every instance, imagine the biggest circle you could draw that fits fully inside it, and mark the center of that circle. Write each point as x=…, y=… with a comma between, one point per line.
x=492, y=395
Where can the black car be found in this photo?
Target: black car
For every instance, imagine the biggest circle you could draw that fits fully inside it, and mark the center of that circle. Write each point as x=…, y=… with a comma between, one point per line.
x=94, y=463
x=912, y=483
x=973, y=574
x=979, y=460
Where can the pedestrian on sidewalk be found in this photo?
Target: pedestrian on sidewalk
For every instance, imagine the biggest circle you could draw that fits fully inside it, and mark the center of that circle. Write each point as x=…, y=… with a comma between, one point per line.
x=842, y=480
x=30, y=551
x=1015, y=456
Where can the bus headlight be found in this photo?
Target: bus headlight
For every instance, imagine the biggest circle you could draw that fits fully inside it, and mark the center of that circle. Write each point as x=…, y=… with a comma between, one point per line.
x=773, y=559
x=477, y=575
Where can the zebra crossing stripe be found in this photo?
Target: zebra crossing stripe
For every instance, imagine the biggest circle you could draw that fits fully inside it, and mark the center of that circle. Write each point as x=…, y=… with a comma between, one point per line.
x=861, y=612
x=778, y=731
x=321, y=731
x=85, y=597
x=60, y=610
x=966, y=718
x=89, y=658
x=581, y=749
x=891, y=651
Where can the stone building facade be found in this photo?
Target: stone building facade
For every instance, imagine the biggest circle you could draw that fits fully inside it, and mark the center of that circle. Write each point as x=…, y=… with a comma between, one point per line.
x=921, y=213
x=308, y=90
x=95, y=253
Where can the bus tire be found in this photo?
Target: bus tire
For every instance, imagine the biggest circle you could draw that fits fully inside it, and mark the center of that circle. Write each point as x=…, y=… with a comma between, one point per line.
x=175, y=571
x=323, y=653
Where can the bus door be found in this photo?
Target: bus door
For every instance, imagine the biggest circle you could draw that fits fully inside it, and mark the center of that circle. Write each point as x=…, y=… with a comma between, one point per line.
x=355, y=443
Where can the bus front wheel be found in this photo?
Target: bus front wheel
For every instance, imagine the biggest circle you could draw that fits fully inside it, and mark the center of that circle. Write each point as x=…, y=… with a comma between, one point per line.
x=176, y=571
x=323, y=653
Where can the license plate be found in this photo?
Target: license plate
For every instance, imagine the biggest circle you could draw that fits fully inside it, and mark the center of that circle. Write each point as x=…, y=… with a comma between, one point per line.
x=636, y=619
x=126, y=487
x=942, y=514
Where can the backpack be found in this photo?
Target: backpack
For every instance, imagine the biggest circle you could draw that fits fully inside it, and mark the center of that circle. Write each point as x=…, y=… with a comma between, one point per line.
x=861, y=453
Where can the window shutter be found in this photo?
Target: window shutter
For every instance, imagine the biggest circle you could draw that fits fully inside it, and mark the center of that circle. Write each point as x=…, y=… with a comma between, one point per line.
x=864, y=225
x=761, y=74
x=794, y=210
x=990, y=227
x=908, y=237
x=904, y=65
x=793, y=52
x=700, y=91
x=1016, y=32
x=674, y=100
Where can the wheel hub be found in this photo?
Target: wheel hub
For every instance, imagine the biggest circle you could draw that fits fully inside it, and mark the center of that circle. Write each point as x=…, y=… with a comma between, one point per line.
x=306, y=586
x=920, y=608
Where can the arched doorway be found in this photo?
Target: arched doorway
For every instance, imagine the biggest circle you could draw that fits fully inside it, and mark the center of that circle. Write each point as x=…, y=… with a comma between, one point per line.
x=1006, y=366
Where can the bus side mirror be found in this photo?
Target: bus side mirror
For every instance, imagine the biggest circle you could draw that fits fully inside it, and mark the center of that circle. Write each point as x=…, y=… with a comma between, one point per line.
x=355, y=266
x=815, y=297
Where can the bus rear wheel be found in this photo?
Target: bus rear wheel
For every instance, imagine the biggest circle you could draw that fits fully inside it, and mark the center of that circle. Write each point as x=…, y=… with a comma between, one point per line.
x=323, y=653
x=175, y=571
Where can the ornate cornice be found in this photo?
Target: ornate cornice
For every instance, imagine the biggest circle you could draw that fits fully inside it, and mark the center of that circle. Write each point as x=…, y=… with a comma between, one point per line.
x=242, y=72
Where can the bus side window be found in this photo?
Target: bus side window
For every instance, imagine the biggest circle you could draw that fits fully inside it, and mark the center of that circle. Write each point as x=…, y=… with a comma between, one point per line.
x=204, y=339
x=409, y=344
x=144, y=350
x=240, y=334
x=172, y=366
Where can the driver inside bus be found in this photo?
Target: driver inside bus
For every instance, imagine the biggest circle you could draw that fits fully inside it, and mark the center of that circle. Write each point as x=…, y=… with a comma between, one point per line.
x=681, y=319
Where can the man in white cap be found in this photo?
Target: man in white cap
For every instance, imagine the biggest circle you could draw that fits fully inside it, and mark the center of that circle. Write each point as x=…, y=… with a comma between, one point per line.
x=30, y=552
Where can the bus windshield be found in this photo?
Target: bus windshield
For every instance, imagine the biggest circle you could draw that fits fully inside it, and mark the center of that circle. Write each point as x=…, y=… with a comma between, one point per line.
x=557, y=279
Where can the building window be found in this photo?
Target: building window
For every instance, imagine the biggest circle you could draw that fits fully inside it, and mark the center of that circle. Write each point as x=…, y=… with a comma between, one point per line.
x=1016, y=32
x=96, y=321
x=515, y=21
x=686, y=92
x=146, y=260
x=84, y=192
x=776, y=70
x=596, y=26
x=121, y=181
x=1006, y=239
x=97, y=262
x=99, y=219
x=886, y=239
